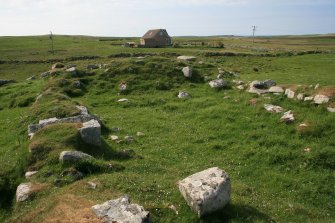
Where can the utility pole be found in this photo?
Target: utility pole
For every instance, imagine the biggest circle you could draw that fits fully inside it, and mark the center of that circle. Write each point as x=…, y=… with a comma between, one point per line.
x=52, y=42
x=253, y=33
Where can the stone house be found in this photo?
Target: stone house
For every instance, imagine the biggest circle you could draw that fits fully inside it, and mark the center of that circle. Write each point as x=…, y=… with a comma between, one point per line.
x=156, y=38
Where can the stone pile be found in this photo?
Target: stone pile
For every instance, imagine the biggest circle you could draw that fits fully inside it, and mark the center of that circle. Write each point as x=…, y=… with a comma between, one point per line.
x=83, y=117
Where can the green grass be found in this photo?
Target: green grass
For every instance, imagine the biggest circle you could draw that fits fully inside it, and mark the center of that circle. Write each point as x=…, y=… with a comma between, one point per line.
x=273, y=178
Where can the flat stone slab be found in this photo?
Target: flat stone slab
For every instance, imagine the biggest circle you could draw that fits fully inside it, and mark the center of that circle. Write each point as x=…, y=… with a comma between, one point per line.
x=73, y=156
x=321, y=99
x=207, y=191
x=276, y=89
x=123, y=100
x=121, y=211
x=186, y=58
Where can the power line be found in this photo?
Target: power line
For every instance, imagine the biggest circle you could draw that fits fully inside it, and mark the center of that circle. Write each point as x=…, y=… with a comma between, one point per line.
x=52, y=42
x=254, y=28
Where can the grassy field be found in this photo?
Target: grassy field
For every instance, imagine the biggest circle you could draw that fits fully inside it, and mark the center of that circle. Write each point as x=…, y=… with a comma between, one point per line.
x=273, y=178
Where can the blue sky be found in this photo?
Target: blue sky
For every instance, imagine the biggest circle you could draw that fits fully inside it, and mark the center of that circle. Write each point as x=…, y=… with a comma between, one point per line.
x=179, y=17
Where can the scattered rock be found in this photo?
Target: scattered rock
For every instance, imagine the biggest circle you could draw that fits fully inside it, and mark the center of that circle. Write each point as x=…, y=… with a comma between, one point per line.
x=218, y=83
x=287, y=117
x=121, y=211
x=77, y=84
x=307, y=150
x=61, y=182
x=92, y=67
x=173, y=208
x=45, y=74
x=331, y=109
x=129, y=138
x=123, y=100
x=257, y=87
x=90, y=132
x=303, y=125
x=3, y=82
x=31, y=78
x=123, y=87
x=23, y=192
x=308, y=98
x=140, y=134
x=321, y=99
x=92, y=185
x=273, y=108
x=29, y=174
x=187, y=71
x=114, y=137
x=70, y=66
x=300, y=97
x=57, y=65
x=289, y=93
x=316, y=86
x=186, y=58
x=73, y=174
x=206, y=191
x=269, y=83
x=83, y=110
x=276, y=89
x=183, y=94
x=240, y=87
x=73, y=156
x=72, y=71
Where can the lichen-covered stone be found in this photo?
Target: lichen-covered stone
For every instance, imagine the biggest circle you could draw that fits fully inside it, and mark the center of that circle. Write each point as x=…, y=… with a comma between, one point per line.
x=121, y=211
x=91, y=132
x=206, y=191
x=73, y=156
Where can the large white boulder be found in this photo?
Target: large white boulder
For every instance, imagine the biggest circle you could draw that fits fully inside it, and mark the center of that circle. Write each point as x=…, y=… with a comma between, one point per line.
x=91, y=132
x=206, y=191
x=121, y=211
x=187, y=71
x=23, y=192
x=321, y=99
x=72, y=156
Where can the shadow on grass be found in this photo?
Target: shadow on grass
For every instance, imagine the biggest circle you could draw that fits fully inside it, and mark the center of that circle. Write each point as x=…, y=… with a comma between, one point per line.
x=105, y=151
x=236, y=213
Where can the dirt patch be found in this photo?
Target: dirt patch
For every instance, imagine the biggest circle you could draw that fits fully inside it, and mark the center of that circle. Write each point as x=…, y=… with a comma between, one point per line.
x=328, y=91
x=65, y=208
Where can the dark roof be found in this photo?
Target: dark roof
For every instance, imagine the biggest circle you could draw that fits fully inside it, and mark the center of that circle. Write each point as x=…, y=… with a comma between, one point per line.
x=154, y=32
